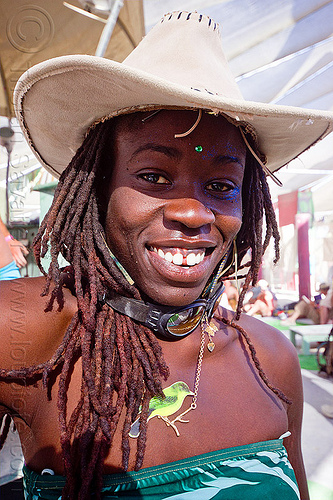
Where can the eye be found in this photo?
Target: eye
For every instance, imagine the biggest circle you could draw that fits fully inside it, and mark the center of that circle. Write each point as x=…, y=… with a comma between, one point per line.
x=154, y=178
x=219, y=187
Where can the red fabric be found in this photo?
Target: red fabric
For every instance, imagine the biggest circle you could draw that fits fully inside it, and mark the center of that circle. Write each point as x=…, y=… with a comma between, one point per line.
x=287, y=204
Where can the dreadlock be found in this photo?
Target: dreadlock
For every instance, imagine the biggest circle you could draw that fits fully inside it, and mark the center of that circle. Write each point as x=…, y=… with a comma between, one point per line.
x=257, y=204
x=122, y=362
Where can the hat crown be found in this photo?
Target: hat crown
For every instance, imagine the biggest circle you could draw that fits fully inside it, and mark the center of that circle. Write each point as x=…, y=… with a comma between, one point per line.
x=186, y=48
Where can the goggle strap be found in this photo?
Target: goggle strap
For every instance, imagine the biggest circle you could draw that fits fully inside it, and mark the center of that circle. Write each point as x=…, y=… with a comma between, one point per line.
x=135, y=309
x=150, y=315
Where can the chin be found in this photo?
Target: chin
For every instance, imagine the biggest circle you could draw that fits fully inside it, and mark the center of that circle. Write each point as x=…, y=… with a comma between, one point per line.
x=173, y=296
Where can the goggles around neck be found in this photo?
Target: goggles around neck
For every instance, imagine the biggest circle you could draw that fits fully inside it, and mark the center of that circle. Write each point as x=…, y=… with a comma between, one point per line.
x=169, y=322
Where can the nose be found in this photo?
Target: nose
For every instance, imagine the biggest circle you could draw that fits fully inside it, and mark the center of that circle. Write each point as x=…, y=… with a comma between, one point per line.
x=188, y=211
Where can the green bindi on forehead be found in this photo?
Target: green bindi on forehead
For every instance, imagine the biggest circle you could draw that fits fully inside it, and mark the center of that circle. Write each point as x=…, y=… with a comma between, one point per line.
x=198, y=149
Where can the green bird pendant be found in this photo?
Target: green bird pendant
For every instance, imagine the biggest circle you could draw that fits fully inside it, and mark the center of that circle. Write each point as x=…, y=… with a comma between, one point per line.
x=163, y=407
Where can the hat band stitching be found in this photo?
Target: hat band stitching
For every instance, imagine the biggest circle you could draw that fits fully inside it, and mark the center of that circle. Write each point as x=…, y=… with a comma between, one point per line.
x=206, y=90
x=189, y=14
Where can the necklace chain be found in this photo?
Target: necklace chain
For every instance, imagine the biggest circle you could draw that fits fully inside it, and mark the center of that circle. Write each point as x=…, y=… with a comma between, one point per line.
x=172, y=423
x=199, y=366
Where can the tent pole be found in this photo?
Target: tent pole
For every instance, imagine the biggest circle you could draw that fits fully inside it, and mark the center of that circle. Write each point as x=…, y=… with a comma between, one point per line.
x=108, y=29
x=302, y=227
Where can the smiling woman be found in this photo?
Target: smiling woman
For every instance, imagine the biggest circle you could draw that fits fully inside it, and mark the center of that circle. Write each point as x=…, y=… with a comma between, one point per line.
x=184, y=206
x=129, y=363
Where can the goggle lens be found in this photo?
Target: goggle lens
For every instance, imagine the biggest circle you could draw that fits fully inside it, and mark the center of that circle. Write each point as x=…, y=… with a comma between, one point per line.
x=184, y=322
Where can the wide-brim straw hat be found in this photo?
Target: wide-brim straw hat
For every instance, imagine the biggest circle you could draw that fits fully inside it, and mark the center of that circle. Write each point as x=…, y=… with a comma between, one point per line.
x=179, y=64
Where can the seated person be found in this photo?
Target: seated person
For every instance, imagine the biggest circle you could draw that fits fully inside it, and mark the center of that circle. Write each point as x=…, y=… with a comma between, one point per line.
x=264, y=303
x=8, y=267
x=12, y=254
x=230, y=296
x=326, y=308
x=318, y=310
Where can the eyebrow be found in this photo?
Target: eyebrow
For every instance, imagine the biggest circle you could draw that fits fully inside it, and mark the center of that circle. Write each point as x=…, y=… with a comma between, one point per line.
x=151, y=146
x=227, y=159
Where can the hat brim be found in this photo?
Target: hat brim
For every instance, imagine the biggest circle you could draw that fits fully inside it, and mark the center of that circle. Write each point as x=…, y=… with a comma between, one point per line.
x=58, y=100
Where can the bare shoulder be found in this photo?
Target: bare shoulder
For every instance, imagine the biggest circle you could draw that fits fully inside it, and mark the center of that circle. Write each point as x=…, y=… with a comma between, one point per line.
x=265, y=336
x=276, y=354
x=29, y=335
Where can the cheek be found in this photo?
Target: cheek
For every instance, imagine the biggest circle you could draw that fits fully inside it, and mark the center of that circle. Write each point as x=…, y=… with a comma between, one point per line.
x=229, y=226
x=120, y=219
x=230, y=215
x=128, y=215
x=234, y=208
x=236, y=217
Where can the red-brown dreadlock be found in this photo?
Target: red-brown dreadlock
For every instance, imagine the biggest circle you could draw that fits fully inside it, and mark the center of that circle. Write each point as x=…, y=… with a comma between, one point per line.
x=122, y=361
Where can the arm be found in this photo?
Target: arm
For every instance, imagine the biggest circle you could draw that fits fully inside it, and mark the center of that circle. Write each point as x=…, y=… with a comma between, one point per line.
x=269, y=299
x=285, y=373
x=17, y=249
x=324, y=308
x=29, y=335
x=5, y=253
x=323, y=315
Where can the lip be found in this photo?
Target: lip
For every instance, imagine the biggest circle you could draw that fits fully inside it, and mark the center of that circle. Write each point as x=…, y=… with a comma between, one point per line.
x=192, y=244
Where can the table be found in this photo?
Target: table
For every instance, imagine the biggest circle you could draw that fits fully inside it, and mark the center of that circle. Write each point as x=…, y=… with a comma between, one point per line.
x=309, y=333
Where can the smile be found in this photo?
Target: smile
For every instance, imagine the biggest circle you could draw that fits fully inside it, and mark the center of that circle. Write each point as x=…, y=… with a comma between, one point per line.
x=181, y=256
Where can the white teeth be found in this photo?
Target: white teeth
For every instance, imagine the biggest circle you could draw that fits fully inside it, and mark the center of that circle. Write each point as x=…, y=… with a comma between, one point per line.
x=168, y=256
x=191, y=259
x=177, y=259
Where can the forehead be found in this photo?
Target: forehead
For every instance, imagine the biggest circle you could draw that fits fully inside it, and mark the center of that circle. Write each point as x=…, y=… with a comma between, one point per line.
x=165, y=124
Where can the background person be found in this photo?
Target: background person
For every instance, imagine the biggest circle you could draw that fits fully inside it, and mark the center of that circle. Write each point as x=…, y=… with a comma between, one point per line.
x=230, y=296
x=17, y=249
x=8, y=267
x=263, y=303
x=326, y=308
x=318, y=310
